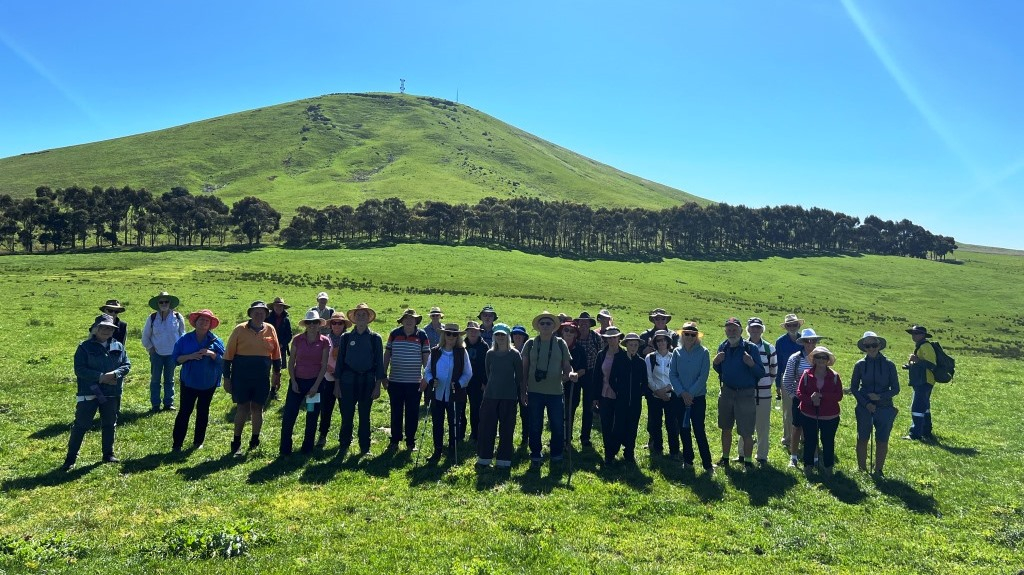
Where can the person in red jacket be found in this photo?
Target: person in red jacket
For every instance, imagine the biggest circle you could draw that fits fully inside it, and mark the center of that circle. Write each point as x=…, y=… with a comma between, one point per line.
x=819, y=391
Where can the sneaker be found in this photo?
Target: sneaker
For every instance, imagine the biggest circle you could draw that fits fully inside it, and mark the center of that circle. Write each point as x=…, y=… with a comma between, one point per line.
x=911, y=438
x=762, y=462
x=155, y=409
x=792, y=462
x=68, y=466
x=111, y=458
x=435, y=456
x=169, y=407
x=393, y=445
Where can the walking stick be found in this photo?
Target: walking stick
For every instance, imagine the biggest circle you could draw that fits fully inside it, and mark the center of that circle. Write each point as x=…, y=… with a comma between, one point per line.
x=419, y=434
x=567, y=442
x=871, y=445
x=452, y=439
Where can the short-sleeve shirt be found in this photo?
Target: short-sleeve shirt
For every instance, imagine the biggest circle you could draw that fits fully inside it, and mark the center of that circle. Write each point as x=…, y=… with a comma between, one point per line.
x=407, y=354
x=245, y=341
x=546, y=356
x=309, y=356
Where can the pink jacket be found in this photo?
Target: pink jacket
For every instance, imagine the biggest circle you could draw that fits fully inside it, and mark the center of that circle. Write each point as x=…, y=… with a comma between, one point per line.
x=831, y=394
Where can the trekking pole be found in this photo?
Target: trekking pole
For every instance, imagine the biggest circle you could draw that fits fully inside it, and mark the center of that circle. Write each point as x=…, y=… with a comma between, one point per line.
x=419, y=434
x=567, y=442
x=452, y=432
x=871, y=446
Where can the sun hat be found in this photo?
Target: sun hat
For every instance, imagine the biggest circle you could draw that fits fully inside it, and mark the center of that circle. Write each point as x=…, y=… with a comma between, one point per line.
x=112, y=305
x=661, y=333
x=192, y=317
x=612, y=332
x=338, y=316
x=790, y=318
x=659, y=312
x=823, y=349
x=472, y=325
x=691, y=326
x=808, y=334
x=411, y=313
x=258, y=304
x=918, y=330
x=103, y=320
x=585, y=316
x=631, y=336
x=313, y=317
x=502, y=328
x=604, y=313
x=521, y=330
x=544, y=315
x=322, y=295
x=869, y=335
x=435, y=311
x=452, y=328
x=280, y=300
x=569, y=325
x=733, y=321
x=351, y=315
x=163, y=295
x=486, y=309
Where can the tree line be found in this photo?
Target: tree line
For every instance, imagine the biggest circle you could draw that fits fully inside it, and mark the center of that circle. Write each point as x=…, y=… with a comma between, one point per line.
x=68, y=218
x=579, y=231
x=74, y=217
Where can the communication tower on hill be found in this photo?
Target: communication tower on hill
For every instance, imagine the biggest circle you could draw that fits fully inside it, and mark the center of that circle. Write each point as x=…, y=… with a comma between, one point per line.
x=401, y=88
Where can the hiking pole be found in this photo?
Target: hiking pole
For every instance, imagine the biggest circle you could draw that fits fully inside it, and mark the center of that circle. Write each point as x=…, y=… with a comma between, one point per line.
x=452, y=431
x=567, y=442
x=419, y=434
x=871, y=445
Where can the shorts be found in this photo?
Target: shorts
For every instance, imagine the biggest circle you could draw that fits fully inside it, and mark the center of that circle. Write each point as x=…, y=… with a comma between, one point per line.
x=250, y=380
x=736, y=406
x=882, y=420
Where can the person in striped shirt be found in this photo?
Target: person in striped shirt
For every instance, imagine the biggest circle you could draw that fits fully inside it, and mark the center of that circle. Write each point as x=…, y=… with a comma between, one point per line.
x=405, y=356
x=763, y=395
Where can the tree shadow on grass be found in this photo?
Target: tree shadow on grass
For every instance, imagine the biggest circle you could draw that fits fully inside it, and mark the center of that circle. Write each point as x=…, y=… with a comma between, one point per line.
x=52, y=478
x=209, y=467
x=912, y=499
x=277, y=468
x=762, y=484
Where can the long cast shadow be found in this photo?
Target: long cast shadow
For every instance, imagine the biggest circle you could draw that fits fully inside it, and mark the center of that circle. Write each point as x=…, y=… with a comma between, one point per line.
x=912, y=499
x=58, y=429
x=143, y=464
x=51, y=478
x=277, y=468
x=762, y=484
x=209, y=467
x=843, y=488
x=956, y=449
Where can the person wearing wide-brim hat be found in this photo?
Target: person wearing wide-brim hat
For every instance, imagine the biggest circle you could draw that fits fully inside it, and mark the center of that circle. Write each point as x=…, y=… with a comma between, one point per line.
x=282, y=323
x=604, y=318
x=477, y=349
x=624, y=377
x=251, y=354
x=446, y=375
x=307, y=366
x=487, y=317
x=589, y=381
x=819, y=392
x=161, y=330
x=113, y=308
x=763, y=399
x=100, y=366
x=873, y=384
x=405, y=356
x=660, y=318
x=922, y=380
x=434, y=329
x=573, y=388
x=504, y=369
x=338, y=325
x=796, y=365
x=662, y=402
x=688, y=372
x=358, y=376
x=545, y=366
x=785, y=346
x=201, y=356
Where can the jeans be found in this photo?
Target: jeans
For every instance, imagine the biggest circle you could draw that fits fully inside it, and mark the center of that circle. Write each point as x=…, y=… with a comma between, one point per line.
x=537, y=404
x=84, y=412
x=572, y=393
x=827, y=429
x=405, y=410
x=439, y=411
x=698, y=410
x=161, y=365
x=921, y=412
x=656, y=408
x=293, y=403
x=192, y=399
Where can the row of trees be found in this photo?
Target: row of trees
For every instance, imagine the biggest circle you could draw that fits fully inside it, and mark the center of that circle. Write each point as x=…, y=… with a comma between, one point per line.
x=71, y=217
x=578, y=230
x=75, y=216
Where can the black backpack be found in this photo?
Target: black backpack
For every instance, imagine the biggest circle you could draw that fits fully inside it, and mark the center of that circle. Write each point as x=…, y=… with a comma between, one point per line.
x=945, y=366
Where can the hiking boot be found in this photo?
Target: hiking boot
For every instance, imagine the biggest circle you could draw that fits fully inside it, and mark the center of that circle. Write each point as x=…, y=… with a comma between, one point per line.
x=111, y=458
x=236, y=446
x=723, y=462
x=68, y=466
x=254, y=442
x=321, y=442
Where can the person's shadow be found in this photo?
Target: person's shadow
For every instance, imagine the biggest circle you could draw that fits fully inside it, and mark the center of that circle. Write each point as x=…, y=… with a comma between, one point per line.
x=209, y=467
x=52, y=478
x=955, y=449
x=912, y=499
x=761, y=484
x=277, y=468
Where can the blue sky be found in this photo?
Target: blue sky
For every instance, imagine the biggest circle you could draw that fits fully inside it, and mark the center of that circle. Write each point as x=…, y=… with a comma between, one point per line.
x=907, y=109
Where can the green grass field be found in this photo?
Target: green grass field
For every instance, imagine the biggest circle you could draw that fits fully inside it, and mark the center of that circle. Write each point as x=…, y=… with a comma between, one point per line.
x=953, y=507
x=342, y=149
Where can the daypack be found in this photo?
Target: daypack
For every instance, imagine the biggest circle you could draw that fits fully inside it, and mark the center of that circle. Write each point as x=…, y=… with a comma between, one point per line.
x=945, y=366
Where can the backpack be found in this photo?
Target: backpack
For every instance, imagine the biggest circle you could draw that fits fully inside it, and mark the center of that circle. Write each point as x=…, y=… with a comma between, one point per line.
x=945, y=366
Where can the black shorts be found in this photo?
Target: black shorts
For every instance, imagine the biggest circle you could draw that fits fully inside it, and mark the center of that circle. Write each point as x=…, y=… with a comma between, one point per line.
x=798, y=417
x=250, y=379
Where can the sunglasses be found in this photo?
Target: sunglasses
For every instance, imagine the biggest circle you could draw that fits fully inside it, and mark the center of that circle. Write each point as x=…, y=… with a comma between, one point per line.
x=164, y=302
x=338, y=323
x=545, y=322
x=821, y=356
x=870, y=345
x=451, y=335
x=689, y=334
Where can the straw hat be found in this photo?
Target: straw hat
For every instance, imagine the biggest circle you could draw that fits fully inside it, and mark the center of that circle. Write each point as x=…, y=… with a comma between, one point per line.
x=544, y=315
x=280, y=300
x=823, y=349
x=352, y=313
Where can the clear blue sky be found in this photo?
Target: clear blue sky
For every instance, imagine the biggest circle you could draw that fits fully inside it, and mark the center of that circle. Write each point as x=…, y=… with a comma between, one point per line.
x=903, y=109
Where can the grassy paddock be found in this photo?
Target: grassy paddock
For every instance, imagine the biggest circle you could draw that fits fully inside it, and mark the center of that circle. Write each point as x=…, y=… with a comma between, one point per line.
x=951, y=507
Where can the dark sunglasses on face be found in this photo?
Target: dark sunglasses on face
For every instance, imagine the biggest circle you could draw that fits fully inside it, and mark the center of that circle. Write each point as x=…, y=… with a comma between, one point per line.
x=689, y=334
x=451, y=335
x=164, y=302
x=821, y=356
x=545, y=322
x=870, y=345
x=337, y=323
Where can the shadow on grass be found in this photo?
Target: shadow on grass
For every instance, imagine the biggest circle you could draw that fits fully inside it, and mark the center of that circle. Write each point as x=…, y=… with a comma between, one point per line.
x=381, y=465
x=956, y=449
x=277, y=468
x=912, y=499
x=51, y=478
x=147, y=463
x=762, y=484
x=842, y=487
x=328, y=464
x=206, y=468
x=58, y=429
x=628, y=474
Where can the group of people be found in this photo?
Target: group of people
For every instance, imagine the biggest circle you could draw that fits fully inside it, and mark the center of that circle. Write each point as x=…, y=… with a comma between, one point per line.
x=495, y=370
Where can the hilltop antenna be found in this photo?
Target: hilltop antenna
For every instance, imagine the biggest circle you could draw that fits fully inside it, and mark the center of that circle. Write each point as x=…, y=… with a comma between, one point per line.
x=401, y=88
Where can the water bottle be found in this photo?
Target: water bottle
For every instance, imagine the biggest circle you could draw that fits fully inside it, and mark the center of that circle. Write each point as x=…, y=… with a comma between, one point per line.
x=686, y=418
x=311, y=402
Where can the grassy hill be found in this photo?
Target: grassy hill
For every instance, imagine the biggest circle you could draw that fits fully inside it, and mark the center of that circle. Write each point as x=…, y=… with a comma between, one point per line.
x=950, y=507
x=342, y=149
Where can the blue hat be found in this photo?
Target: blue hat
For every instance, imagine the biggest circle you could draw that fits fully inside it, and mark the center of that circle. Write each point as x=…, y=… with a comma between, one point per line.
x=520, y=330
x=502, y=328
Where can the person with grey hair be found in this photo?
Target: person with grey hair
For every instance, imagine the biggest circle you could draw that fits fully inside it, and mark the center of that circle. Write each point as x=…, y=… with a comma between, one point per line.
x=100, y=366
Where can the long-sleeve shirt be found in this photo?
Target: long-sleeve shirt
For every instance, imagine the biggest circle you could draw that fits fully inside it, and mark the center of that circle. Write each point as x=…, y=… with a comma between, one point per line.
x=159, y=334
x=204, y=373
x=504, y=372
x=831, y=390
x=875, y=375
x=733, y=372
x=689, y=370
x=658, y=368
x=796, y=365
x=93, y=359
x=443, y=375
x=785, y=347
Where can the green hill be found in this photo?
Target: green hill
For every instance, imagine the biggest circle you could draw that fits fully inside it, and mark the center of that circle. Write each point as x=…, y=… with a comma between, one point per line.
x=342, y=149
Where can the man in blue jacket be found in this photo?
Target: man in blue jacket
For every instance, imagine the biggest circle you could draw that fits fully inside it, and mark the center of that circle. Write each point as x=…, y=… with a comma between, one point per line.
x=739, y=368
